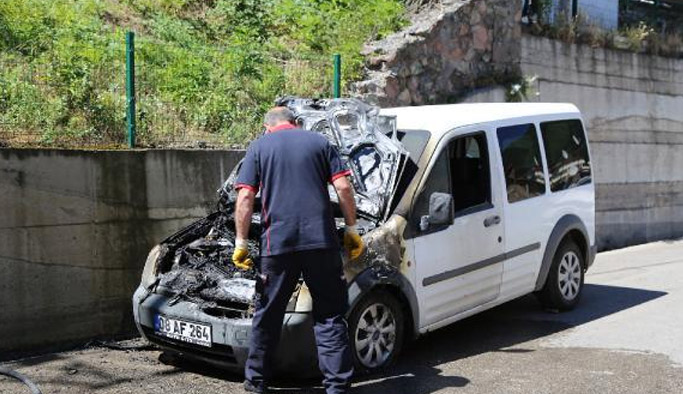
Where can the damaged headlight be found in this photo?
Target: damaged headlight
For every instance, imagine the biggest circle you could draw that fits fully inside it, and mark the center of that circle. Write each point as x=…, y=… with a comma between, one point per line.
x=149, y=272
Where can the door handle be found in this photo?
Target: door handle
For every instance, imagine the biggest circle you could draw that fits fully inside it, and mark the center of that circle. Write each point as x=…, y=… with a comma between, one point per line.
x=491, y=221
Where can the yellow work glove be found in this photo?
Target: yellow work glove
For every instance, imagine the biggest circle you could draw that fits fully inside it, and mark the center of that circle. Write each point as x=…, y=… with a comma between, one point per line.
x=353, y=242
x=240, y=257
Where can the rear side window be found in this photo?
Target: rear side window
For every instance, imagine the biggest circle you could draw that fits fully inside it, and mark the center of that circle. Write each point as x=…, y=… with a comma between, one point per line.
x=567, y=154
x=522, y=163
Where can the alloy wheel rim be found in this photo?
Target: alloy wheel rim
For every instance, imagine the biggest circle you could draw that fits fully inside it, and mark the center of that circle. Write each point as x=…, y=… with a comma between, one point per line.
x=569, y=276
x=375, y=336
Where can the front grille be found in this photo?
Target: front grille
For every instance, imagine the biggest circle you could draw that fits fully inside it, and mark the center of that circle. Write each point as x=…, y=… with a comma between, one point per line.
x=218, y=352
x=217, y=308
x=219, y=311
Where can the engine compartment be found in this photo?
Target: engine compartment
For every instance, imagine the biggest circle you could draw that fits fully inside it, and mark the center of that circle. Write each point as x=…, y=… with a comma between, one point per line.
x=198, y=267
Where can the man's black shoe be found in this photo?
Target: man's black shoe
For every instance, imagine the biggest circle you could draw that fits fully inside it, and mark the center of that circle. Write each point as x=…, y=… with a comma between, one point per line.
x=252, y=388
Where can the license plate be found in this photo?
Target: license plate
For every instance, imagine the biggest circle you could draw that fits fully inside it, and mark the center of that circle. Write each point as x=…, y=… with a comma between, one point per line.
x=181, y=330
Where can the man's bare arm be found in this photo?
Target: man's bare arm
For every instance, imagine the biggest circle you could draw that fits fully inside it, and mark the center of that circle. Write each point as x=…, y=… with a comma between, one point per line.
x=243, y=210
x=346, y=199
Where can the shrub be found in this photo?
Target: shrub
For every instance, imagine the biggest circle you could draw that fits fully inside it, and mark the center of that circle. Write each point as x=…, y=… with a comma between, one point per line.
x=636, y=36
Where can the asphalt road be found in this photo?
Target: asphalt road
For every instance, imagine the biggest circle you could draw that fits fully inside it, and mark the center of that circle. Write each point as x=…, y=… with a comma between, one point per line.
x=626, y=336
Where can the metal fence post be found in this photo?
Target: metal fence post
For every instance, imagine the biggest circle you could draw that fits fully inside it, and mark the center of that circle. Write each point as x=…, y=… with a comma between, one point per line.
x=337, y=75
x=130, y=87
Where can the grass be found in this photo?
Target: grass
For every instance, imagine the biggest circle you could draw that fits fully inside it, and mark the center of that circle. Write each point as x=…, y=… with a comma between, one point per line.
x=206, y=69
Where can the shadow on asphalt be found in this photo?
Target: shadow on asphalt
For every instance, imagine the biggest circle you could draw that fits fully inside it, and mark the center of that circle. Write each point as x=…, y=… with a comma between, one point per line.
x=85, y=377
x=502, y=329
x=417, y=371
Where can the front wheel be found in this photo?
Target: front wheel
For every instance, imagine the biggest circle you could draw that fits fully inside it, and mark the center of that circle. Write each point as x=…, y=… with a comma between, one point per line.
x=376, y=327
x=564, y=284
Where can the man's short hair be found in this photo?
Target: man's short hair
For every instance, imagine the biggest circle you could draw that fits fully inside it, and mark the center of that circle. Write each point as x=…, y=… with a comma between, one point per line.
x=278, y=115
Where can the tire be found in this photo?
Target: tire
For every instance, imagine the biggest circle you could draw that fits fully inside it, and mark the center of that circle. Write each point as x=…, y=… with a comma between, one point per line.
x=564, y=285
x=376, y=332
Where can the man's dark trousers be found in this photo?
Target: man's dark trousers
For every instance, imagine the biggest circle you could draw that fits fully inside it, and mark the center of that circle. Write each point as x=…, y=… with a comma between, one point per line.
x=322, y=272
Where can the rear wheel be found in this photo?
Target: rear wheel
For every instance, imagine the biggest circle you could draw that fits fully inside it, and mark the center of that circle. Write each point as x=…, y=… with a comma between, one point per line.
x=376, y=327
x=563, y=287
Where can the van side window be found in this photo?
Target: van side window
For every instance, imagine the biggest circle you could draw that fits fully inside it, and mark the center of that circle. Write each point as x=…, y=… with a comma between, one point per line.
x=462, y=169
x=567, y=154
x=470, y=182
x=522, y=163
x=438, y=182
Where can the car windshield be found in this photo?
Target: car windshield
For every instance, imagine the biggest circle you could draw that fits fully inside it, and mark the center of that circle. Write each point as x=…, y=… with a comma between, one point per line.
x=414, y=141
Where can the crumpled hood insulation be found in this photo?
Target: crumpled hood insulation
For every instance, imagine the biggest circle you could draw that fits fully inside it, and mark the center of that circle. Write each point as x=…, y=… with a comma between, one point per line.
x=365, y=139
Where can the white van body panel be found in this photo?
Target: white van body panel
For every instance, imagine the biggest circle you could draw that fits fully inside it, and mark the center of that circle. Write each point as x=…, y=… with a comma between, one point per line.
x=525, y=227
x=533, y=220
x=463, y=239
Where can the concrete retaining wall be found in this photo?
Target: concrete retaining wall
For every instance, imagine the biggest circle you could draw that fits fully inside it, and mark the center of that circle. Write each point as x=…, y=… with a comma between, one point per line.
x=633, y=105
x=76, y=227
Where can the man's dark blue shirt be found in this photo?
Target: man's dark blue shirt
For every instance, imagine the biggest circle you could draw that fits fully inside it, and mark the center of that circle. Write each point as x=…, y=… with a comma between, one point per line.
x=292, y=168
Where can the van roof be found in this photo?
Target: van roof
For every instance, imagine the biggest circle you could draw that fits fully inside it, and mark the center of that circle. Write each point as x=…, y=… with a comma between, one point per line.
x=439, y=119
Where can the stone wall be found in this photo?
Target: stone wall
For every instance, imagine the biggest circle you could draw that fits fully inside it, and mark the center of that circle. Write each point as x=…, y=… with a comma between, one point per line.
x=75, y=230
x=633, y=106
x=449, y=51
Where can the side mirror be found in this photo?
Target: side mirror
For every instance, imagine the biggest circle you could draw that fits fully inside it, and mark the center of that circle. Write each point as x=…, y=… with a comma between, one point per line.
x=440, y=211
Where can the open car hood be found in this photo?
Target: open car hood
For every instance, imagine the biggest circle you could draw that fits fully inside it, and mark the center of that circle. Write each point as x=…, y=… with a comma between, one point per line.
x=366, y=140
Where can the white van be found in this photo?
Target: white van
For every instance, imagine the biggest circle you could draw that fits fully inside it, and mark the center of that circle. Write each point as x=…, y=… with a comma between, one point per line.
x=463, y=207
x=523, y=216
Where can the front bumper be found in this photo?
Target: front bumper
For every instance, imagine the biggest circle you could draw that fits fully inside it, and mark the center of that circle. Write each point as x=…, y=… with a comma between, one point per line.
x=296, y=353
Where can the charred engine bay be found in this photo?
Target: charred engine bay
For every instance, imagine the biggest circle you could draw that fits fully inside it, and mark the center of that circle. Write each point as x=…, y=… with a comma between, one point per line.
x=200, y=269
x=196, y=264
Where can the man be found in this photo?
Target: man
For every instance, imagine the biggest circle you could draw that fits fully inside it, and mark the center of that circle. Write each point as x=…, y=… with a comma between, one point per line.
x=292, y=167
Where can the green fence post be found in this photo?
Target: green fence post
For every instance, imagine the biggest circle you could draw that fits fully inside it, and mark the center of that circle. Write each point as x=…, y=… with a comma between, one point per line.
x=130, y=87
x=337, y=75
